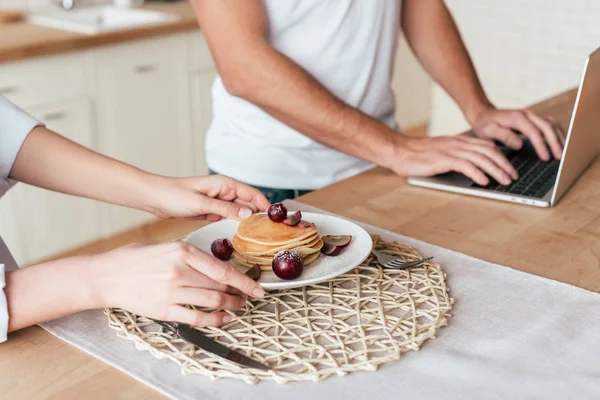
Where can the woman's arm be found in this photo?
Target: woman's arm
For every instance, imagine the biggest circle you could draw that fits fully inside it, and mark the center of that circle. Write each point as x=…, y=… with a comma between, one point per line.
x=149, y=280
x=54, y=162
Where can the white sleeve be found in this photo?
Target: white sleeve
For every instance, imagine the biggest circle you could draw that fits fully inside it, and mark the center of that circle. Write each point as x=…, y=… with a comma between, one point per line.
x=3, y=307
x=15, y=125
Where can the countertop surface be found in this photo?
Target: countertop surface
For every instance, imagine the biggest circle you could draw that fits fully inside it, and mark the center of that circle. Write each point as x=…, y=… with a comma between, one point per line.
x=560, y=243
x=22, y=40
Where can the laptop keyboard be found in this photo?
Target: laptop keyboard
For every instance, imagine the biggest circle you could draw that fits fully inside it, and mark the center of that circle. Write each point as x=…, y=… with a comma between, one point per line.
x=536, y=177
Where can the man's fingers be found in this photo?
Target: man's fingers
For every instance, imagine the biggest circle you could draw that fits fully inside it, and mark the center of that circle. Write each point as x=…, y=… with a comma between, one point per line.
x=466, y=168
x=504, y=135
x=550, y=134
x=499, y=159
x=485, y=164
x=562, y=136
x=221, y=272
x=520, y=121
x=196, y=318
x=212, y=299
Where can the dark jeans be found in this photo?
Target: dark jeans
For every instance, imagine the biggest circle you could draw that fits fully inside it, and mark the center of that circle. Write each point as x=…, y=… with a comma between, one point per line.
x=277, y=195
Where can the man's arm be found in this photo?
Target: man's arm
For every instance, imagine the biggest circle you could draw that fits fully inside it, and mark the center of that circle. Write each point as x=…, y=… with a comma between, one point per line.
x=433, y=36
x=250, y=68
x=236, y=32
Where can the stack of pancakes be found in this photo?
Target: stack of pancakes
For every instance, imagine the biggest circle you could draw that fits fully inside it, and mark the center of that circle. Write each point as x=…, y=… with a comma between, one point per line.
x=258, y=239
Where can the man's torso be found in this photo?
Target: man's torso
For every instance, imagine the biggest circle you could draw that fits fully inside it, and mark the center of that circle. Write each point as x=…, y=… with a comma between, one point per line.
x=348, y=46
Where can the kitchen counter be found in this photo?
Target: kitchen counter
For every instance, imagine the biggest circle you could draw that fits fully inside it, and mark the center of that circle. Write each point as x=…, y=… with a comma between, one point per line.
x=560, y=243
x=23, y=40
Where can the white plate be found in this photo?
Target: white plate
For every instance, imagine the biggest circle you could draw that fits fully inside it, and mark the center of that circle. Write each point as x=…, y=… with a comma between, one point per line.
x=323, y=269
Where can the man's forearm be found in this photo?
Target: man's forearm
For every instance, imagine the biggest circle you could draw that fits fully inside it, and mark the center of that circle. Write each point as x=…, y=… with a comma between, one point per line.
x=434, y=38
x=290, y=94
x=53, y=162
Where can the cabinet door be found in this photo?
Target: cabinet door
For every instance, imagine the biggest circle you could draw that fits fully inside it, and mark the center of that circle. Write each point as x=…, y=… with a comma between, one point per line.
x=202, y=114
x=144, y=113
x=54, y=222
x=9, y=225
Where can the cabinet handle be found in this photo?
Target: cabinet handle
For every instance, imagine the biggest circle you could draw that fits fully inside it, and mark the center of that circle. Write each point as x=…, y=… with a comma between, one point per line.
x=143, y=69
x=55, y=116
x=8, y=90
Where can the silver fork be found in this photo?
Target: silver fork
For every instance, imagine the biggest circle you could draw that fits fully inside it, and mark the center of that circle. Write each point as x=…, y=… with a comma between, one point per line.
x=391, y=262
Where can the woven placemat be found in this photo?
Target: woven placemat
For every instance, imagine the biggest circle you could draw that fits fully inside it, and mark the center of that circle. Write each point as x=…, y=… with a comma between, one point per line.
x=354, y=322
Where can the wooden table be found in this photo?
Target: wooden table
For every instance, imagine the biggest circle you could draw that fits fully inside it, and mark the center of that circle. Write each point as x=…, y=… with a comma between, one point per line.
x=561, y=243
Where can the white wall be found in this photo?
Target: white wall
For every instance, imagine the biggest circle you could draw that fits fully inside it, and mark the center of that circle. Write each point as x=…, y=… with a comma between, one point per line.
x=524, y=51
x=413, y=89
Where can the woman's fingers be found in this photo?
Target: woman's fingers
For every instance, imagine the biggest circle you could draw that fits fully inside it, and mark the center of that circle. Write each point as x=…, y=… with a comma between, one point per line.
x=223, y=208
x=212, y=299
x=191, y=317
x=219, y=186
x=221, y=272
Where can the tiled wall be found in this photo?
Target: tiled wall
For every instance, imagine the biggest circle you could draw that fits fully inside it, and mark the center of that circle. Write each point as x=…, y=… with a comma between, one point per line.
x=524, y=50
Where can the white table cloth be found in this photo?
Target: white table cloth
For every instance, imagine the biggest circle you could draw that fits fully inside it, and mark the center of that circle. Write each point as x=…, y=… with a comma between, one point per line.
x=512, y=336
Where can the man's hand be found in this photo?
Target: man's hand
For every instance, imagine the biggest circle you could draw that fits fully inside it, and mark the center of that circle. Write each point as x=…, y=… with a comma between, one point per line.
x=500, y=125
x=204, y=197
x=470, y=156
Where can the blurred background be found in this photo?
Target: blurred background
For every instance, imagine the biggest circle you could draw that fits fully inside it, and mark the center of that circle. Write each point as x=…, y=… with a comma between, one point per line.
x=134, y=83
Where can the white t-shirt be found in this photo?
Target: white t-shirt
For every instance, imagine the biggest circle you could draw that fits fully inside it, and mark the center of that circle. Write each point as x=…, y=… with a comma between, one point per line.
x=348, y=46
x=15, y=125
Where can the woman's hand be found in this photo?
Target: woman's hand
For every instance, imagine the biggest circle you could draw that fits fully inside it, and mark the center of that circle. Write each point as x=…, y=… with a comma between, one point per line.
x=205, y=197
x=158, y=280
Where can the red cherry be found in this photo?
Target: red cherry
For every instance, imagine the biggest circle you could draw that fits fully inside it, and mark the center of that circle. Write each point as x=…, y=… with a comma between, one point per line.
x=277, y=212
x=222, y=249
x=288, y=264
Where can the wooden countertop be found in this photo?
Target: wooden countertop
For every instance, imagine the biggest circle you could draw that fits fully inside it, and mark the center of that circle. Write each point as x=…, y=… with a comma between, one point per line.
x=23, y=40
x=561, y=243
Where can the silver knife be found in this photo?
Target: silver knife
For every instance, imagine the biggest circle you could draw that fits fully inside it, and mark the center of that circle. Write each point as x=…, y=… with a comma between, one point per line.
x=202, y=342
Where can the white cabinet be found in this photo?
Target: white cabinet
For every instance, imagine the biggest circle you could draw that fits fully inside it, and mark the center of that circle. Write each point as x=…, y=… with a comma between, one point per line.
x=143, y=99
x=44, y=80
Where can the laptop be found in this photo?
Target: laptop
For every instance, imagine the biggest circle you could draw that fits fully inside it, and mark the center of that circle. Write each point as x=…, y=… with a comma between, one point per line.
x=542, y=183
